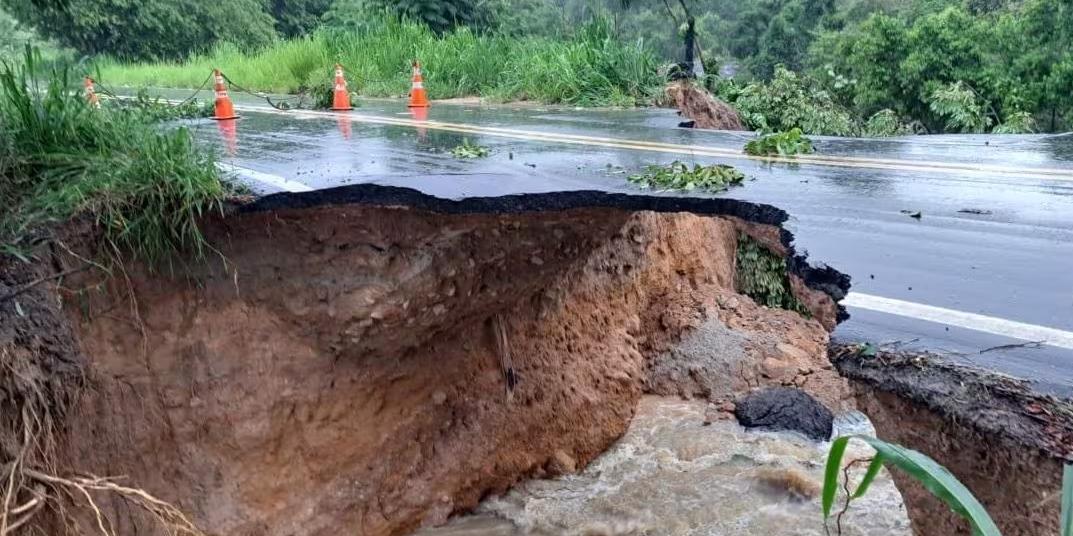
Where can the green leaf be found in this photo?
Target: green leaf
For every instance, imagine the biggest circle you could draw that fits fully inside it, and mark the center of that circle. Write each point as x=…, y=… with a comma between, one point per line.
x=1067, y=501
x=869, y=476
x=830, y=474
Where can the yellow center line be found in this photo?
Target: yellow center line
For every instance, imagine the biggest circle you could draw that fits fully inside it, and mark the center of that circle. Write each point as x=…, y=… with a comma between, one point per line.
x=641, y=145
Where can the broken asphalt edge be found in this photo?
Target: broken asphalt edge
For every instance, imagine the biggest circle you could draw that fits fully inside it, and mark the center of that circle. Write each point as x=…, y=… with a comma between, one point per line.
x=817, y=277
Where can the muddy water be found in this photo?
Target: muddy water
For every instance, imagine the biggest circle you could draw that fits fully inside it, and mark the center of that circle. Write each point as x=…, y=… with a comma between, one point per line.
x=672, y=476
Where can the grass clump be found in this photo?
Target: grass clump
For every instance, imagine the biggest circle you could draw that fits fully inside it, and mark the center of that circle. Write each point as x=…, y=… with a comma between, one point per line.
x=591, y=69
x=787, y=143
x=762, y=276
x=470, y=150
x=60, y=157
x=679, y=176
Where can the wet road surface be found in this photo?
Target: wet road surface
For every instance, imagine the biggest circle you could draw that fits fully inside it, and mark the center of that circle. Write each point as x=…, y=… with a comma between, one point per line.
x=994, y=240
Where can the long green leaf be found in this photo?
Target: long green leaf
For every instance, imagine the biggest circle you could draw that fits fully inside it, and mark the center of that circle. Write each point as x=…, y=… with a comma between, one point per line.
x=1067, y=501
x=830, y=477
x=869, y=476
x=937, y=480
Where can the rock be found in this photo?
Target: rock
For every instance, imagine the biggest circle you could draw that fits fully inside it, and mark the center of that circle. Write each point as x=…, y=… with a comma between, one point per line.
x=776, y=369
x=439, y=397
x=785, y=408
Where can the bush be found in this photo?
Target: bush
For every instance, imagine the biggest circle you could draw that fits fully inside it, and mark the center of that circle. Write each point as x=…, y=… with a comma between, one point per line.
x=789, y=101
x=780, y=143
x=59, y=157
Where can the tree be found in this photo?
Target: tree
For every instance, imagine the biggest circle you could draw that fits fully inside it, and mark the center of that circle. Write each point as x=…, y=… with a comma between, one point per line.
x=440, y=15
x=297, y=17
x=148, y=29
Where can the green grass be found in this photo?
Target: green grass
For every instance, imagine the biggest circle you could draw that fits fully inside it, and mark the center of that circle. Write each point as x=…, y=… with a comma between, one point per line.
x=591, y=69
x=145, y=186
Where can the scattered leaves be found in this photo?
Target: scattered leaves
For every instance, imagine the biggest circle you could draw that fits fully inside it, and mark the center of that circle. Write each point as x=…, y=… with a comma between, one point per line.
x=470, y=150
x=679, y=176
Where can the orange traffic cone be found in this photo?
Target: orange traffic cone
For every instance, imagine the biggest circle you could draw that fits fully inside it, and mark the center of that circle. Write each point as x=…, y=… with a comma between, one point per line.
x=224, y=108
x=91, y=95
x=418, y=97
x=340, y=96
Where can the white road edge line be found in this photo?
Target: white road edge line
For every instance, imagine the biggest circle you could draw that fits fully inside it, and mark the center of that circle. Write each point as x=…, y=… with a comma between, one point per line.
x=961, y=319
x=282, y=183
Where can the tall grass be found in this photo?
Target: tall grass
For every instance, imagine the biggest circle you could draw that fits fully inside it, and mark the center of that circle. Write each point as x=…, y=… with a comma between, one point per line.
x=59, y=157
x=592, y=68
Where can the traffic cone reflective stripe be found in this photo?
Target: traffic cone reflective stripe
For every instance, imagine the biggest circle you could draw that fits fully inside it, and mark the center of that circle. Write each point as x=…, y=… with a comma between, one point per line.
x=91, y=95
x=418, y=97
x=340, y=96
x=225, y=109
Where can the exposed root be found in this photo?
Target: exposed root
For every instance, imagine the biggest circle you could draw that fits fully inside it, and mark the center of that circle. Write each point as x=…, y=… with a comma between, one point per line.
x=506, y=360
x=29, y=409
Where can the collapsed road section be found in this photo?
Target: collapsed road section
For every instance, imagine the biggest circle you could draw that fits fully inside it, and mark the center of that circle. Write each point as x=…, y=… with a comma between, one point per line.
x=371, y=359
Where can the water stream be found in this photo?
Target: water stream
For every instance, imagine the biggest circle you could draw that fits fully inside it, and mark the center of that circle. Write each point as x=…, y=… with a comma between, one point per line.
x=671, y=475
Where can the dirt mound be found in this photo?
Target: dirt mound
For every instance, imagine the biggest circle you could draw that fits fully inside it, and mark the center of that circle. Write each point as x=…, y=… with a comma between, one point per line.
x=702, y=108
x=372, y=360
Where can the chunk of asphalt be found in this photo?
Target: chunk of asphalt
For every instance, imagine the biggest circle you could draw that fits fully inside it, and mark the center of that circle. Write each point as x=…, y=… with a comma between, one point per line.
x=785, y=408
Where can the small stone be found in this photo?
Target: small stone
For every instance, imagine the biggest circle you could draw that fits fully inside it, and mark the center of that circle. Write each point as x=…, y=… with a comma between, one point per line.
x=776, y=369
x=792, y=352
x=438, y=309
x=536, y=260
x=377, y=315
x=439, y=397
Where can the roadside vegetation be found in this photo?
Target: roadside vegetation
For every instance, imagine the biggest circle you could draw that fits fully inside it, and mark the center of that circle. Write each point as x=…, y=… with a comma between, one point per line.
x=144, y=186
x=929, y=473
x=680, y=176
x=849, y=68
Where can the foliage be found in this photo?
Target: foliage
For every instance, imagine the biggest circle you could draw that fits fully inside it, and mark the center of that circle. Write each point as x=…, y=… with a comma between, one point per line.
x=590, y=69
x=1014, y=59
x=884, y=123
x=957, y=103
x=60, y=157
x=934, y=477
x=780, y=143
x=1016, y=123
x=679, y=176
x=294, y=18
x=150, y=29
x=470, y=150
x=154, y=109
x=762, y=276
x=789, y=101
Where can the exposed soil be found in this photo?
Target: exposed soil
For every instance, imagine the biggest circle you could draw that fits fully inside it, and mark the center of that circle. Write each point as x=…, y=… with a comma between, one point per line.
x=705, y=111
x=1003, y=441
x=340, y=371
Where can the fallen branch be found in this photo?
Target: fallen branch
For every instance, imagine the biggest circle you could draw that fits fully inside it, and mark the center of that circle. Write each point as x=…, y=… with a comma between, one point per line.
x=1033, y=345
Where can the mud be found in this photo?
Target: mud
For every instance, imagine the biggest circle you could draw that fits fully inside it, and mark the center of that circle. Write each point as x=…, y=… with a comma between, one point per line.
x=1005, y=442
x=704, y=110
x=334, y=366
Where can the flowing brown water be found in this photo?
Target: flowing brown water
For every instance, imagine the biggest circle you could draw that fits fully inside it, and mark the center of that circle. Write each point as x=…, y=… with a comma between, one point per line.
x=670, y=475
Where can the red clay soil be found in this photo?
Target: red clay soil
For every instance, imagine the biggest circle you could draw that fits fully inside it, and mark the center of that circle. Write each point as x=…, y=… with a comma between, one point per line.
x=339, y=372
x=706, y=111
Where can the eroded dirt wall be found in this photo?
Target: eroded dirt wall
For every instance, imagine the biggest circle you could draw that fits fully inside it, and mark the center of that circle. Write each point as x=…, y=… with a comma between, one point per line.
x=347, y=378
x=1004, y=442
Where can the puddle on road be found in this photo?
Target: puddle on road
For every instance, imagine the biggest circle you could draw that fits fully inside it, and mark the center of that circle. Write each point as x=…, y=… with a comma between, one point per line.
x=672, y=476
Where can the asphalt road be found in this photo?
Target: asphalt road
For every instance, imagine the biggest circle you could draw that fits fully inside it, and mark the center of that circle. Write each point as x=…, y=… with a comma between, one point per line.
x=989, y=262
